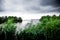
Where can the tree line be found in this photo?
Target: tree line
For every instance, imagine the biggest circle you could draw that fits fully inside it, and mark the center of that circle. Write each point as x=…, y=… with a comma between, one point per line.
x=48, y=28
x=5, y=18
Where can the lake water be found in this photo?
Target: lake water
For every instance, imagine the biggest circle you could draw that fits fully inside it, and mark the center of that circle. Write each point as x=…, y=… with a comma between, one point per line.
x=25, y=23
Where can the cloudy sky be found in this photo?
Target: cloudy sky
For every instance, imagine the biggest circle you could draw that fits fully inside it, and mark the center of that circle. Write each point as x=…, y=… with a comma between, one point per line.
x=29, y=7
x=27, y=15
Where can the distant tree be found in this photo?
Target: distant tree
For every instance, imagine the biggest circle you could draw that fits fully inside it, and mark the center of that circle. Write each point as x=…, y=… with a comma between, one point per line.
x=5, y=18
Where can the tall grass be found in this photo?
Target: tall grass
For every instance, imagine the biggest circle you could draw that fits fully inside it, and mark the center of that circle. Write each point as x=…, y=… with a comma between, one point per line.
x=9, y=29
x=47, y=29
x=2, y=34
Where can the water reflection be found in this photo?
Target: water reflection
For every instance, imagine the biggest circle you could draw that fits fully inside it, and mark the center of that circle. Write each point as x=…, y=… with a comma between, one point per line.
x=26, y=23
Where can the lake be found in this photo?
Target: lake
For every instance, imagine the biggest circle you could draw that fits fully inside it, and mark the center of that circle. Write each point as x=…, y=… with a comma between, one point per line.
x=25, y=23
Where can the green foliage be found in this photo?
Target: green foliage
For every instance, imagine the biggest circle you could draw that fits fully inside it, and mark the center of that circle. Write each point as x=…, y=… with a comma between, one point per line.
x=47, y=29
x=4, y=19
x=52, y=25
x=9, y=26
x=33, y=32
x=2, y=34
x=9, y=29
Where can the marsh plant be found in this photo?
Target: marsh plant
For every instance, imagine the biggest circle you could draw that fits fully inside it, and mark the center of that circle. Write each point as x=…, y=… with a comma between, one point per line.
x=48, y=28
x=2, y=34
x=9, y=29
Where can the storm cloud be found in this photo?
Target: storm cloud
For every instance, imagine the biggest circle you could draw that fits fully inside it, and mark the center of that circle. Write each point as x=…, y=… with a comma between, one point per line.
x=51, y=2
x=1, y=6
x=30, y=5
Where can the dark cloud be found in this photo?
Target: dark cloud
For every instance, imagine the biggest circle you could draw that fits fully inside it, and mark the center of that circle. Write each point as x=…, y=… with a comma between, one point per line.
x=51, y=2
x=42, y=5
x=48, y=2
x=30, y=5
x=1, y=5
x=56, y=10
x=58, y=2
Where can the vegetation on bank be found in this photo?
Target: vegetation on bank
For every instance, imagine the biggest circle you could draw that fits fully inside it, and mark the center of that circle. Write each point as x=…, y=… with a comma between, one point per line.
x=5, y=18
x=47, y=29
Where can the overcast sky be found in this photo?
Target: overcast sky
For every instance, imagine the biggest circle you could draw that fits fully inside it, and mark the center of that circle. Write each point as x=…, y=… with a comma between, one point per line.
x=30, y=5
x=29, y=9
x=27, y=15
